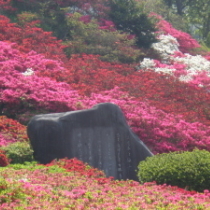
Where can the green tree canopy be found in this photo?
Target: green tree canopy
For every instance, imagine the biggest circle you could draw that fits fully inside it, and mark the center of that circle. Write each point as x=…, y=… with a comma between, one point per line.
x=196, y=13
x=129, y=17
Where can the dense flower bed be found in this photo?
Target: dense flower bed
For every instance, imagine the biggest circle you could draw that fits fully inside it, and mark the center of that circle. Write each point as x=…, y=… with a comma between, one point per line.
x=11, y=131
x=31, y=37
x=49, y=188
x=166, y=103
x=24, y=95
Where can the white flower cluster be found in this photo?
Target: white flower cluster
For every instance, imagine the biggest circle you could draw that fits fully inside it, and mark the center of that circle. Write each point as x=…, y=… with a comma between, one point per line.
x=194, y=66
x=165, y=70
x=185, y=78
x=28, y=72
x=194, y=63
x=147, y=63
x=166, y=46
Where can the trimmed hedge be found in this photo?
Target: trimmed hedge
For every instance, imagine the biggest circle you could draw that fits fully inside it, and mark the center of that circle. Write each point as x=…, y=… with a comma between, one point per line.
x=189, y=170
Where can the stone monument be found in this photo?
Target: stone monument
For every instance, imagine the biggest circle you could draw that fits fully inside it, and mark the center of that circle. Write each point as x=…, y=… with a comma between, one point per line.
x=99, y=136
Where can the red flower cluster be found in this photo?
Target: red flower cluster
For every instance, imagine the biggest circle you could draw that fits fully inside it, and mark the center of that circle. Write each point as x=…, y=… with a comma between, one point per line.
x=29, y=37
x=5, y=5
x=4, y=161
x=78, y=166
x=12, y=130
x=88, y=74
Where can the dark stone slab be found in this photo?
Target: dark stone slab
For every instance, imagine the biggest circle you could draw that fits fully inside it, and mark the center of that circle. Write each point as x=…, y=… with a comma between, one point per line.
x=98, y=136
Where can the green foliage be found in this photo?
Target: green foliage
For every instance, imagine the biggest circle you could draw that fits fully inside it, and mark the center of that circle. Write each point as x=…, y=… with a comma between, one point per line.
x=204, y=49
x=129, y=17
x=32, y=166
x=49, y=13
x=190, y=170
x=26, y=165
x=112, y=46
x=56, y=169
x=27, y=17
x=196, y=14
x=178, y=5
x=19, y=152
x=10, y=191
x=161, y=8
x=63, y=19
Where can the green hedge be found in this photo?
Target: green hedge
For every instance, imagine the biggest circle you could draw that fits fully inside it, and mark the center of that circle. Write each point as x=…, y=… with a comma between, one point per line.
x=189, y=170
x=18, y=152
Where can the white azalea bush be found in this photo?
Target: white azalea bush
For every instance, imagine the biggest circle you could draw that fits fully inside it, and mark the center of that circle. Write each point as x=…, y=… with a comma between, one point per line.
x=193, y=69
x=166, y=47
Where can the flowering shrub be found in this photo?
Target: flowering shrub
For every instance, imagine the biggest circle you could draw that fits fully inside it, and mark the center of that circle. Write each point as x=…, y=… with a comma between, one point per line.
x=166, y=103
x=18, y=95
x=24, y=96
x=166, y=46
x=42, y=189
x=4, y=161
x=11, y=131
x=160, y=131
x=10, y=192
x=78, y=166
x=185, y=41
x=13, y=59
x=6, y=5
x=29, y=37
x=192, y=69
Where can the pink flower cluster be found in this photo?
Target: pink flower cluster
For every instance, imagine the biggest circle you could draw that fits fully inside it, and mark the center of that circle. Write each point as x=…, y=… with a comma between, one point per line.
x=6, y=140
x=186, y=42
x=162, y=132
x=42, y=189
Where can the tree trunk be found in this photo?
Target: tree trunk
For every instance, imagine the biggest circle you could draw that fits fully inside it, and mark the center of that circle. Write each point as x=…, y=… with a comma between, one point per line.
x=179, y=6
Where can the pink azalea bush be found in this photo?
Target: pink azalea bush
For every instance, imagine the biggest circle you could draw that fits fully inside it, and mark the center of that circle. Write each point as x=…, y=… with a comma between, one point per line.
x=174, y=48
x=30, y=94
x=48, y=188
x=5, y=140
x=185, y=41
x=28, y=86
x=11, y=131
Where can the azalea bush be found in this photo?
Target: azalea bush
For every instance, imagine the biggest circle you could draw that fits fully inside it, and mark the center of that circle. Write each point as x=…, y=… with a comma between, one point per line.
x=177, y=56
x=192, y=69
x=10, y=192
x=186, y=41
x=11, y=131
x=4, y=161
x=165, y=100
x=42, y=188
x=30, y=37
x=25, y=93
x=78, y=166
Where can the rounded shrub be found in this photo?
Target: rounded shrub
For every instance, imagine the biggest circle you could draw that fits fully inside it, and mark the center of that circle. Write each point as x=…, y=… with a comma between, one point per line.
x=189, y=170
x=19, y=152
x=4, y=161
